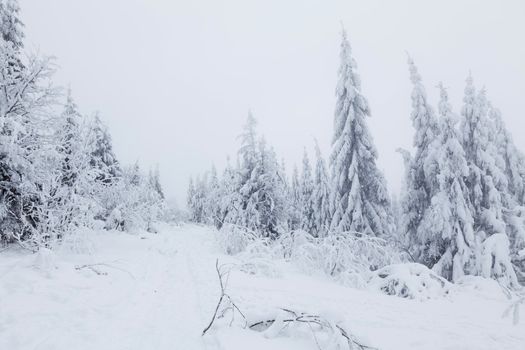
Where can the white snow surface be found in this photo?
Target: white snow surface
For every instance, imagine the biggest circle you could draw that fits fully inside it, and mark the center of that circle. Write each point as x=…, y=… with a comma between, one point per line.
x=159, y=291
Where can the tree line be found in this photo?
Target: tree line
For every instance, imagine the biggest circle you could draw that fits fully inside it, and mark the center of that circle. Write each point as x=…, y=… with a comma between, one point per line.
x=58, y=171
x=462, y=206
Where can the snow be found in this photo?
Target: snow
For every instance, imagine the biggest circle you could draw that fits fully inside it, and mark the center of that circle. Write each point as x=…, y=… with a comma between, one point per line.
x=159, y=291
x=410, y=280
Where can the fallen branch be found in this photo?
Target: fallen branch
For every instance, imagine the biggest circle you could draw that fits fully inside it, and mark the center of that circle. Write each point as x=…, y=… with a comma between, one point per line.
x=293, y=317
x=305, y=318
x=224, y=298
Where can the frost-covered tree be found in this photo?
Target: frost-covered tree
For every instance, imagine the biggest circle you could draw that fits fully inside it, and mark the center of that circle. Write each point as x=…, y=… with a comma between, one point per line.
x=295, y=201
x=190, y=194
x=269, y=197
x=138, y=206
x=321, y=196
x=486, y=181
x=446, y=232
x=228, y=195
x=514, y=214
x=103, y=158
x=69, y=138
x=254, y=195
x=420, y=174
x=213, y=198
x=245, y=213
x=11, y=26
x=360, y=200
x=80, y=191
x=307, y=189
x=154, y=180
x=197, y=199
x=26, y=101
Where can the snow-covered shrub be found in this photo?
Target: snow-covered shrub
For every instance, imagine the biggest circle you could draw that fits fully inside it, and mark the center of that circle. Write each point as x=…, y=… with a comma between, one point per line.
x=234, y=239
x=132, y=203
x=347, y=257
x=409, y=280
x=495, y=260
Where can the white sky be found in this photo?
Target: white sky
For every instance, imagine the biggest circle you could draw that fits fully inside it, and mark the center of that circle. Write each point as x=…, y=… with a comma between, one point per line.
x=174, y=79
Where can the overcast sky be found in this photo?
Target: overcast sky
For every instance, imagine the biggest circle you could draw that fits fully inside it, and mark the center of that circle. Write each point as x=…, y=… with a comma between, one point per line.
x=174, y=80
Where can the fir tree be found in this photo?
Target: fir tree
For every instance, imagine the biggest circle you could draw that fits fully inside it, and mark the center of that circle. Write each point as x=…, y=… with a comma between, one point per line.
x=103, y=158
x=360, y=200
x=154, y=180
x=446, y=232
x=486, y=181
x=70, y=136
x=307, y=189
x=11, y=26
x=420, y=173
x=296, y=203
x=321, y=196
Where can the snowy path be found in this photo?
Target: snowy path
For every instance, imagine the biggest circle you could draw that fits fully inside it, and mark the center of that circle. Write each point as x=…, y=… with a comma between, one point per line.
x=149, y=298
x=159, y=291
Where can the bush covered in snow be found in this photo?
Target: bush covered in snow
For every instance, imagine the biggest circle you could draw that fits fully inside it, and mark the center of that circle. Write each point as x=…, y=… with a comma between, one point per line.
x=348, y=258
x=234, y=239
x=409, y=280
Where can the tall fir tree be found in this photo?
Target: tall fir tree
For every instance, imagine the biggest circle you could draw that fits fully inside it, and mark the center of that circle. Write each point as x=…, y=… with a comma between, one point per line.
x=307, y=189
x=514, y=200
x=154, y=180
x=486, y=181
x=360, y=200
x=446, y=232
x=321, y=196
x=70, y=136
x=420, y=174
x=296, y=204
x=103, y=158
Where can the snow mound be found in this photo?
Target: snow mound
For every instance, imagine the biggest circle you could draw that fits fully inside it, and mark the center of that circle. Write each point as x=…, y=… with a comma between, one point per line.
x=410, y=280
x=483, y=287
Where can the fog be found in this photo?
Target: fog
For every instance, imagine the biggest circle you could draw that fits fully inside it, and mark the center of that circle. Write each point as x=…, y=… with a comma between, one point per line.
x=174, y=80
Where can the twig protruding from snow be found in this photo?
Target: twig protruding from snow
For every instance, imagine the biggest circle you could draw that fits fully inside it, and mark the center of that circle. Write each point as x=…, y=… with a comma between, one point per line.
x=224, y=298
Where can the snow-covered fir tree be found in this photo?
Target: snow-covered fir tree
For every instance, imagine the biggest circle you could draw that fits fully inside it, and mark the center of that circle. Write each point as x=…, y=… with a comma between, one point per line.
x=154, y=180
x=69, y=140
x=269, y=196
x=212, y=198
x=228, y=194
x=26, y=98
x=486, y=181
x=11, y=26
x=103, y=158
x=514, y=214
x=321, y=196
x=307, y=189
x=244, y=213
x=295, y=201
x=420, y=174
x=197, y=193
x=446, y=231
x=360, y=200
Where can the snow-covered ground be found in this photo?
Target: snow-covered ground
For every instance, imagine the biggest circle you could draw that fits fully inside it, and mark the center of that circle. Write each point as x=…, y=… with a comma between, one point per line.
x=158, y=291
